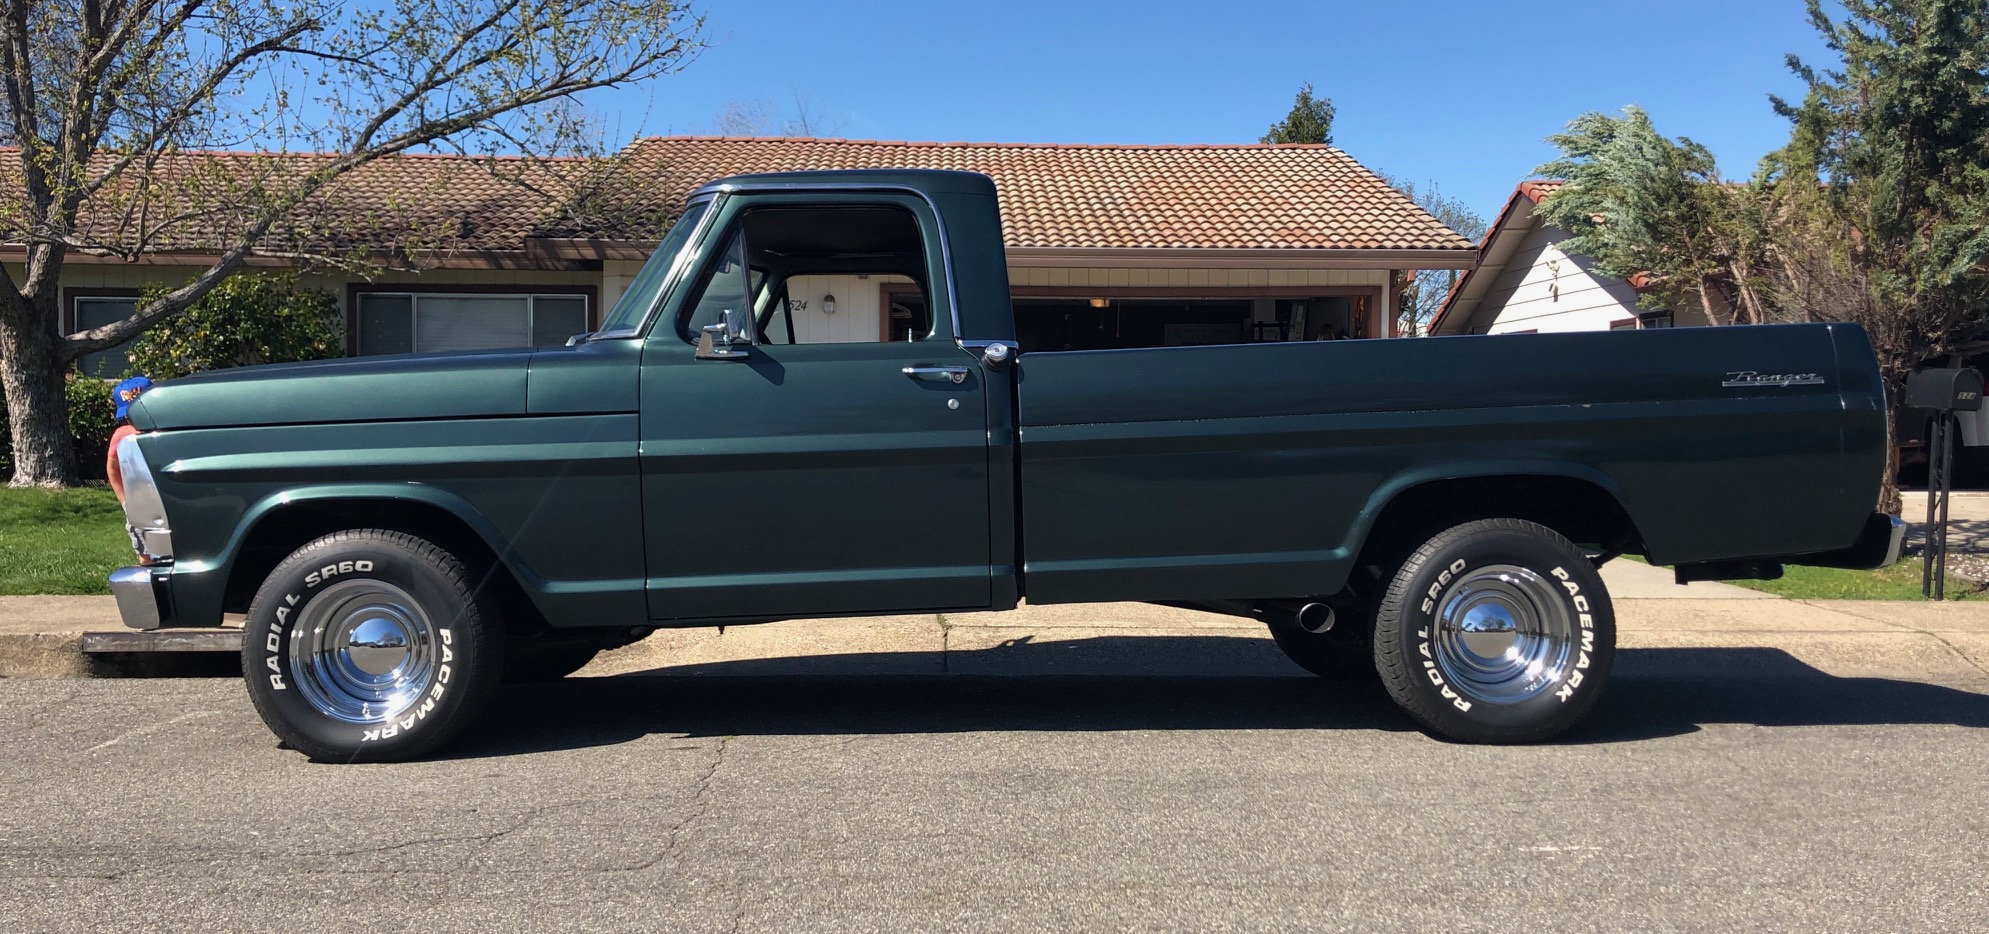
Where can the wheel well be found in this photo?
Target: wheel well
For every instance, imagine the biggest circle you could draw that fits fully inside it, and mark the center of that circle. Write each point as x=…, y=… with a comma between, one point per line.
x=288, y=528
x=1585, y=513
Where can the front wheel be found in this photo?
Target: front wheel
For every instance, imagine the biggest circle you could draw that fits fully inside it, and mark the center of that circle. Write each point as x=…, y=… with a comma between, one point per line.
x=370, y=645
x=1496, y=631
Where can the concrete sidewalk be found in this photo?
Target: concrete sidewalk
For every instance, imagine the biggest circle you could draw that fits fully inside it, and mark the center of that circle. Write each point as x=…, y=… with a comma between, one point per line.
x=39, y=637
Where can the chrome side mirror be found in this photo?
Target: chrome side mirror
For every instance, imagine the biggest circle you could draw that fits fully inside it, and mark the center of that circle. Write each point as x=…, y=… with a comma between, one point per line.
x=726, y=340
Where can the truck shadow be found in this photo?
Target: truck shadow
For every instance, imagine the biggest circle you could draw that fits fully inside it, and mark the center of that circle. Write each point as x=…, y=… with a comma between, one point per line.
x=1656, y=693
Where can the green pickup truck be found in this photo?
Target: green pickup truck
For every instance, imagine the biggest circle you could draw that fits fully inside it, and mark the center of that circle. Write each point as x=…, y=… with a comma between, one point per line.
x=407, y=533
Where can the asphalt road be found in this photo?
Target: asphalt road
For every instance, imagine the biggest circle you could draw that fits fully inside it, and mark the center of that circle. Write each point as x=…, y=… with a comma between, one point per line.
x=1781, y=799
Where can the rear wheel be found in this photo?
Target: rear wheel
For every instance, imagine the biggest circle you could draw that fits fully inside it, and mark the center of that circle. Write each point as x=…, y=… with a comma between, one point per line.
x=1495, y=631
x=370, y=645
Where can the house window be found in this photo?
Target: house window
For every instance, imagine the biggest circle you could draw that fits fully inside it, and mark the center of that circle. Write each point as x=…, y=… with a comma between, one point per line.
x=95, y=311
x=421, y=322
x=1654, y=319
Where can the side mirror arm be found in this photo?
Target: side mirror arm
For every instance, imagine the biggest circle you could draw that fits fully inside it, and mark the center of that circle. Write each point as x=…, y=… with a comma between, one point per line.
x=715, y=343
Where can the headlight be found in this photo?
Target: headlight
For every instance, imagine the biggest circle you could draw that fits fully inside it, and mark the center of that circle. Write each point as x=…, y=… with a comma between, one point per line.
x=144, y=510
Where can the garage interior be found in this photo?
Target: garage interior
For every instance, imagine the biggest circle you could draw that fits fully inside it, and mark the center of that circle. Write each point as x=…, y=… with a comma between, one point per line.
x=1071, y=323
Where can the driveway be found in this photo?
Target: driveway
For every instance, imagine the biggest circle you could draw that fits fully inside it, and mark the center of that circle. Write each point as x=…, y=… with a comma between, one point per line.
x=1765, y=780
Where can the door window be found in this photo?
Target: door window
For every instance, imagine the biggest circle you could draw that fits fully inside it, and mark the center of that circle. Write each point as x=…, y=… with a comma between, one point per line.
x=827, y=274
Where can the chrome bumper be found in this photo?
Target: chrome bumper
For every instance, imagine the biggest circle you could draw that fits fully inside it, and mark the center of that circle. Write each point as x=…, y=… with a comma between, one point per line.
x=1897, y=543
x=142, y=597
x=1878, y=546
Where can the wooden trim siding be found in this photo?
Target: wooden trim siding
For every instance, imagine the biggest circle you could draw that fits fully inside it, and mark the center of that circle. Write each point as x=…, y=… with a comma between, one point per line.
x=1199, y=291
x=1177, y=258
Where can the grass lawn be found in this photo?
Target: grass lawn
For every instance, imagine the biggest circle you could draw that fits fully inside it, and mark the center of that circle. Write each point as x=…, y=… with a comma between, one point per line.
x=1899, y=582
x=60, y=541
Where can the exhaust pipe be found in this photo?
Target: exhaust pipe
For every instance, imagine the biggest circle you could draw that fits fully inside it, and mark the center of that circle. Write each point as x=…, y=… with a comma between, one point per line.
x=1315, y=617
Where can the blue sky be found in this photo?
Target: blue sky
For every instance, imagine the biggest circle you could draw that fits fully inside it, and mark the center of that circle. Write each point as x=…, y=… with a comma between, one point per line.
x=1460, y=93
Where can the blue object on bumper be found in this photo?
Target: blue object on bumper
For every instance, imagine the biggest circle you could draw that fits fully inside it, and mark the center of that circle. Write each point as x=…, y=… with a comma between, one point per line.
x=142, y=598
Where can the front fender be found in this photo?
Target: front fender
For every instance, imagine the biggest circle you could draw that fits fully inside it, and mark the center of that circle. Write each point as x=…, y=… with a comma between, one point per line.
x=200, y=586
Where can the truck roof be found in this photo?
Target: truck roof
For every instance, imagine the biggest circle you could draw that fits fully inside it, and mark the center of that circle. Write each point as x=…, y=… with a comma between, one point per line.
x=924, y=180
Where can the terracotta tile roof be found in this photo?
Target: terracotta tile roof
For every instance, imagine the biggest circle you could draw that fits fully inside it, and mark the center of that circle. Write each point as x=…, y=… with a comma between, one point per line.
x=407, y=201
x=1052, y=195
x=1537, y=190
x=1055, y=195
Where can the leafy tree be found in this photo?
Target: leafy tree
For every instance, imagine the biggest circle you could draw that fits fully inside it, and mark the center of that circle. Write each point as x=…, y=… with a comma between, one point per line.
x=104, y=99
x=1882, y=194
x=1638, y=203
x=1423, y=295
x=245, y=320
x=1310, y=120
x=1880, y=201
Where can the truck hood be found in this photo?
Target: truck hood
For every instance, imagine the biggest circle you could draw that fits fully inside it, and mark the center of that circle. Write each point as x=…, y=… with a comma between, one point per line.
x=403, y=387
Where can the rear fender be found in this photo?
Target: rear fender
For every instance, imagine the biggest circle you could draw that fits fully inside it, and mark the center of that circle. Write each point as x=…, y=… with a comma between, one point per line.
x=1362, y=527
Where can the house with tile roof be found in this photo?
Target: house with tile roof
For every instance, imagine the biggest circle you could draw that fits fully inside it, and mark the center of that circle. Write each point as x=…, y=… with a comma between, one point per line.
x=1524, y=282
x=1106, y=245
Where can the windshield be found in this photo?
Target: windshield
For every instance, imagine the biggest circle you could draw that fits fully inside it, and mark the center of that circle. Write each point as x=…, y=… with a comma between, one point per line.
x=656, y=275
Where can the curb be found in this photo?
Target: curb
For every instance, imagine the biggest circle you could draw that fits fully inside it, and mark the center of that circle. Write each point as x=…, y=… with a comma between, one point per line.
x=44, y=655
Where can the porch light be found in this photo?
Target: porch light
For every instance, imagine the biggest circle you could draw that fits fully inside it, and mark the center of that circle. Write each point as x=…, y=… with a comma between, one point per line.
x=828, y=304
x=1101, y=303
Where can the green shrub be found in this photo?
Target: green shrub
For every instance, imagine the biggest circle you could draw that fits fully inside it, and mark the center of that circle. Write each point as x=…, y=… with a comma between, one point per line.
x=92, y=416
x=248, y=318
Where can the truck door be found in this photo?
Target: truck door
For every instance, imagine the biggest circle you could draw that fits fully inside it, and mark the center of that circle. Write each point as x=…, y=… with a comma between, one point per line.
x=814, y=441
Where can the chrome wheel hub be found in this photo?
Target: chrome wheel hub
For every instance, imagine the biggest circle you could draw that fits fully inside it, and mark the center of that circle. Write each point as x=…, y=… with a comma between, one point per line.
x=377, y=646
x=363, y=651
x=1503, y=634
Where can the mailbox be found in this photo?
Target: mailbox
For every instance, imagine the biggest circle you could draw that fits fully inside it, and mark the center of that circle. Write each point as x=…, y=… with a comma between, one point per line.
x=1945, y=390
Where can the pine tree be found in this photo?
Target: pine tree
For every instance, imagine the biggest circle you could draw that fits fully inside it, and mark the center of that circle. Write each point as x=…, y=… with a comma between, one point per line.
x=1883, y=189
x=1310, y=120
x=1638, y=203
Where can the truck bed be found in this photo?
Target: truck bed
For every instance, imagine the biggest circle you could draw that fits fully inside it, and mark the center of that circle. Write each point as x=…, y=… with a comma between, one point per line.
x=1256, y=470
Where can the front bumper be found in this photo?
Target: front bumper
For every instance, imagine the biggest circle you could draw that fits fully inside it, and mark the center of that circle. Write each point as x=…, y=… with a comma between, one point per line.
x=143, y=598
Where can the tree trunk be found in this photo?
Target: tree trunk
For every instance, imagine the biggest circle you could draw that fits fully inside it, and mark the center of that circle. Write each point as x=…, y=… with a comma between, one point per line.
x=1706, y=300
x=31, y=372
x=1889, y=500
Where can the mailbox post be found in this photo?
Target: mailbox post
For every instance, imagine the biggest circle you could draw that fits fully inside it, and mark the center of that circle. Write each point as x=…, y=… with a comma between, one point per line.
x=1941, y=392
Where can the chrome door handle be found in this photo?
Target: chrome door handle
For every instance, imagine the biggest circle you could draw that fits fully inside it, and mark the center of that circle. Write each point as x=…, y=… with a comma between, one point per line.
x=937, y=374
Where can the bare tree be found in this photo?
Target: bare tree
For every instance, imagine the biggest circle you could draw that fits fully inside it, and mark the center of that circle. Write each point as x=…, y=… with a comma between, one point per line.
x=1423, y=295
x=801, y=115
x=112, y=103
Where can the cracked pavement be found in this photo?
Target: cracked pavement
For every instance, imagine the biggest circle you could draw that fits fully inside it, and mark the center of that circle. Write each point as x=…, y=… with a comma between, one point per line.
x=1715, y=788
